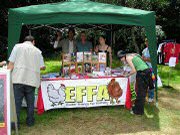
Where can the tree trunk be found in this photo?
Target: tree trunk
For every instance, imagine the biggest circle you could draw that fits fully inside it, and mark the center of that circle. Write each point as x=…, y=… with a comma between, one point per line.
x=134, y=40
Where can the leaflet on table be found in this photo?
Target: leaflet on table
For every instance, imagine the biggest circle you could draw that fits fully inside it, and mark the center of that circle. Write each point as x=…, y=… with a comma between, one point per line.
x=79, y=56
x=87, y=56
x=102, y=57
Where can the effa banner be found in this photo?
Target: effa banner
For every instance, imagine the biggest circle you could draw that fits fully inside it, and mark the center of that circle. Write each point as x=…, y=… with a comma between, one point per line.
x=4, y=102
x=81, y=93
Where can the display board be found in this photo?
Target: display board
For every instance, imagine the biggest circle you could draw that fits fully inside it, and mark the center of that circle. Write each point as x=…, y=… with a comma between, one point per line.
x=5, y=102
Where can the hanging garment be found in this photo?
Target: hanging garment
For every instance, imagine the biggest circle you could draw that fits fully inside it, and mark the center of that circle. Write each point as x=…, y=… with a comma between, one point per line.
x=171, y=50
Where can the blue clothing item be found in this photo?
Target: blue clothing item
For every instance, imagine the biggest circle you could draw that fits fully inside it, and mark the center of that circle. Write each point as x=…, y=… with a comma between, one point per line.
x=151, y=94
x=84, y=47
x=20, y=91
x=146, y=54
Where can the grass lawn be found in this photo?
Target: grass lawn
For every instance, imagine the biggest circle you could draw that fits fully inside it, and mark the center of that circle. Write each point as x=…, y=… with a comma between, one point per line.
x=112, y=120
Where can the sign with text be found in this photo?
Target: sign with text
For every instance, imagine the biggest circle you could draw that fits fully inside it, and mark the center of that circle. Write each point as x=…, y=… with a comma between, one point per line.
x=81, y=93
x=4, y=102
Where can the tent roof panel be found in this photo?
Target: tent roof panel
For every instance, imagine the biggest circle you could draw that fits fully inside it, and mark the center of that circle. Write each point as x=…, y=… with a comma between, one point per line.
x=82, y=6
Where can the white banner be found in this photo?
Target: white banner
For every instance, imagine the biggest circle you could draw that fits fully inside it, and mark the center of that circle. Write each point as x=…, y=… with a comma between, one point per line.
x=80, y=93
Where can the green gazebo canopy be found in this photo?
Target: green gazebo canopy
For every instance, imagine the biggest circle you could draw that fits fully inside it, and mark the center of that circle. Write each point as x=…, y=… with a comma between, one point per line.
x=81, y=12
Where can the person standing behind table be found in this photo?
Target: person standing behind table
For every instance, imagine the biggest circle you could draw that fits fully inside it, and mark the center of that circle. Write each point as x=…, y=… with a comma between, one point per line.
x=146, y=58
x=25, y=62
x=143, y=78
x=68, y=45
x=103, y=47
x=84, y=45
x=58, y=38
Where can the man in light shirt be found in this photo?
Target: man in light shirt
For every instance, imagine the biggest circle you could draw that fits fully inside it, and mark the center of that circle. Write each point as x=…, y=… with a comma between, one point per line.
x=26, y=61
x=68, y=45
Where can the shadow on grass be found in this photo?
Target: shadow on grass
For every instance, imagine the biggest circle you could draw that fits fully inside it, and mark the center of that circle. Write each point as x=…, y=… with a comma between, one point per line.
x=100, y=120
x=169, y=97
x=169, y=89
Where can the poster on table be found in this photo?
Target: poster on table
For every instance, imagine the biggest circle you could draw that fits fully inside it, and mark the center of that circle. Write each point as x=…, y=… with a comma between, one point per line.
x=102, y=57
x=4, y=102
x=79, y=56
x=81, y=93
x=87, y=56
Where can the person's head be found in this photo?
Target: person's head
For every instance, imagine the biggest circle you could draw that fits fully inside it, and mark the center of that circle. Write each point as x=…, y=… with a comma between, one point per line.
x=146, y=42
x=71, y=33
x=59, y=33
x=102, y=40
x=83, y=36
x=30, y=38
x=121, y=55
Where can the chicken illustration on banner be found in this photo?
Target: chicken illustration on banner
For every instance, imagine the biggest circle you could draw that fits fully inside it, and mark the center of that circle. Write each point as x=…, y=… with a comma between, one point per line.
x=114, y=90
x=56, y=96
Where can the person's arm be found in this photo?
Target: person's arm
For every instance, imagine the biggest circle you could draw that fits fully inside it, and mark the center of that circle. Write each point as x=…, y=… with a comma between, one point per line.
x=90, y=44
x=146, y=59
x=96, y=49
x=42, y=66
x=10, y=66
x=2, y=63
x=58, y=44
x=110, y=56
x=12, y=58
x=133, y=70
x=75, y=46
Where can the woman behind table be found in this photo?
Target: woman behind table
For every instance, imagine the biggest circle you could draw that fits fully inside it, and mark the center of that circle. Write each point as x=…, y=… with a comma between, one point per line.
x=143, y=78
x=103, y=47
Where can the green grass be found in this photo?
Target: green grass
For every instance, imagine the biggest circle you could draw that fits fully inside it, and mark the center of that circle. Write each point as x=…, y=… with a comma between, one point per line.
x=52, y=65
x=173, y=74
x=112, y=120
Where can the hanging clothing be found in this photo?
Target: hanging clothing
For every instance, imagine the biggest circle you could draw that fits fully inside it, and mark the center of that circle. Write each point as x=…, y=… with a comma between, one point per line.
x=171, y=50
x=160, y=53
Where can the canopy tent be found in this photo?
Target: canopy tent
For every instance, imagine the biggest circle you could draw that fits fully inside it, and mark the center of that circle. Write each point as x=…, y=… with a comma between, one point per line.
x=81, y=12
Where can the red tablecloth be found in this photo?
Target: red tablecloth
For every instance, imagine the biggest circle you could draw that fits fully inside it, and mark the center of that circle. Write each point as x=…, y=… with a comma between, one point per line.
x=40, y=104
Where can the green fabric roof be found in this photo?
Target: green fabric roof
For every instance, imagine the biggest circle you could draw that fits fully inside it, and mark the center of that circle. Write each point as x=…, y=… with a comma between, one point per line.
x=82, y=8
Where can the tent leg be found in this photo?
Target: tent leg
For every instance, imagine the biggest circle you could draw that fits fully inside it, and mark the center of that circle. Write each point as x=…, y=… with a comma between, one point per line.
x=169, y=75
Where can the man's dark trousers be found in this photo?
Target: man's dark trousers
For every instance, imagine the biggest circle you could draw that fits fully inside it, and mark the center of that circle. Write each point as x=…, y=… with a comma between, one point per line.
x=21, y=91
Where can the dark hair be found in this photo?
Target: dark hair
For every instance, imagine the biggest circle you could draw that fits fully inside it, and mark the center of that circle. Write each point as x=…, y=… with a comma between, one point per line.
x=29, y=38
x=83, y=32
x=58, y=31
x=72, y=30
x=121, y=54
x=103, y=36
